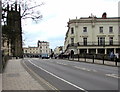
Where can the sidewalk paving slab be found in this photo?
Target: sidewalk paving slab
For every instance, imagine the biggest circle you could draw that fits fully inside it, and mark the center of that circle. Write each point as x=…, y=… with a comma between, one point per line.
x=0, y=82
x=15, y=77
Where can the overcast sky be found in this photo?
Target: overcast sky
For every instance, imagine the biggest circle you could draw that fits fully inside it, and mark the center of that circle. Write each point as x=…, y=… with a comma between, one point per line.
x=56, y=14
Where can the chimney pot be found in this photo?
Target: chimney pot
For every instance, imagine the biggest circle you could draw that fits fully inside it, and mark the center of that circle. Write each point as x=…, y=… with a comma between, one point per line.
x=104, y=16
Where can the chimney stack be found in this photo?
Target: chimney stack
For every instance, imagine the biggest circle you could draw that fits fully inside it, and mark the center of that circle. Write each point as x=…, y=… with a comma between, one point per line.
x=104, y=16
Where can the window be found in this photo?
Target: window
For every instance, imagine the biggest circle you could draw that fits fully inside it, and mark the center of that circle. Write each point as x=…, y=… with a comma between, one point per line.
x=85, y=41
x=111, y=41
x=25, y=51
x=72, y=30
x=101, y=29
x=84, y=29
x=101, y=40
x=119, y=29
x=110, y=29
x=72, y=40
x=40, y=51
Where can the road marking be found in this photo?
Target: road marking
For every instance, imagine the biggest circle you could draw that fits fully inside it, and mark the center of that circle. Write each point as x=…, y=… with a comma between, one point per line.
x=85, y=69
x=61, y=63
x=58, y=77
x=81, y=68
x=113, y=75
x=41, y=79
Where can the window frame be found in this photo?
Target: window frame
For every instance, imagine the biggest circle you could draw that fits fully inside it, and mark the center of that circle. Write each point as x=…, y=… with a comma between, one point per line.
x=72, y=30
x=84, y=29
x=110, y=41
x=85, y=41
x=101, y=29
x=111, y=29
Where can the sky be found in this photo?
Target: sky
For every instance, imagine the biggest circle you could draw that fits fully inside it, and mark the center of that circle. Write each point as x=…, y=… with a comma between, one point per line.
x=56, y=13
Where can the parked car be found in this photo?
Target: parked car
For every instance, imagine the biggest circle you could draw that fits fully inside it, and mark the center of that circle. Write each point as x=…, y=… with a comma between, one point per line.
x=45, y=56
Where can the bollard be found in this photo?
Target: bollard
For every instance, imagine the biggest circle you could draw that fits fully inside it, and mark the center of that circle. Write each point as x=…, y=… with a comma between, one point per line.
x=78, y=57
x=85, y=57
x=103, y=60
x=93, y=58
x=73, y=56
x=116, y=60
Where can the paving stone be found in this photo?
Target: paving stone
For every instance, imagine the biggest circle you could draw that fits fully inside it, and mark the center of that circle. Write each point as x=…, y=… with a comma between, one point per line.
x=15, y=77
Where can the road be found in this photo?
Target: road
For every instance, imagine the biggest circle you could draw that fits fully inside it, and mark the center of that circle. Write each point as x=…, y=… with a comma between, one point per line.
x=71, y=75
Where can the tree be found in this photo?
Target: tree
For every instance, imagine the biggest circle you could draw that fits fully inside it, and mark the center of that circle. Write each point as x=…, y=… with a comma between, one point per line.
x=29, y=8
x=13, y=11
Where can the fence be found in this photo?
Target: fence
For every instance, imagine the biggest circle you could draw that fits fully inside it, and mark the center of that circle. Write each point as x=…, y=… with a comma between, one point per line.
x=93, y=58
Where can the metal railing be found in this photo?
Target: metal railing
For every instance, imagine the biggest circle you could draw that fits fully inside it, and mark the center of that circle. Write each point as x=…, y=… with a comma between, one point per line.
x=93, y=58
x=115, y=43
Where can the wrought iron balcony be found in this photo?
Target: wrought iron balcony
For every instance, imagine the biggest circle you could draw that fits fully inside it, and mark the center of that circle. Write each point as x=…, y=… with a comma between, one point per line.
x=115, y=43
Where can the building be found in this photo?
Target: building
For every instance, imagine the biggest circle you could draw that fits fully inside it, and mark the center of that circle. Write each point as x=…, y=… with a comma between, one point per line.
x=93, y=35
x=12, y=29
x=31, y=50
x=42, y=48
x=6, y=50
x=58, y=50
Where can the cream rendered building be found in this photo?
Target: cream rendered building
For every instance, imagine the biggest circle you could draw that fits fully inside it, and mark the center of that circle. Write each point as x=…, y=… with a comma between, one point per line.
x=58, y=50
x=93, y=35
x=42, y=48
x=31, y=50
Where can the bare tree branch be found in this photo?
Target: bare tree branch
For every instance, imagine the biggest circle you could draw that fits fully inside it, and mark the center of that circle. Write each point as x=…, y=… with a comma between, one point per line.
x=29, y=8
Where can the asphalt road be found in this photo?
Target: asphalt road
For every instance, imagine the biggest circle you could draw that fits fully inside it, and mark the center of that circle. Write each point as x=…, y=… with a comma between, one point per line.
x=71, y=75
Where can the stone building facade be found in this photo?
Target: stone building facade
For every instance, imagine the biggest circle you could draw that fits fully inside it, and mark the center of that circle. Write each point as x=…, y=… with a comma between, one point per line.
x=93, y=35
x=11, y=20
x=42, y=48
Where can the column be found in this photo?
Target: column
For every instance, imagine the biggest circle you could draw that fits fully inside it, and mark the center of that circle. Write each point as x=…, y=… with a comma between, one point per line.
x=105, y=51
x=87, y=50
x=78, y=52
x=96, y=51
x=114, y=50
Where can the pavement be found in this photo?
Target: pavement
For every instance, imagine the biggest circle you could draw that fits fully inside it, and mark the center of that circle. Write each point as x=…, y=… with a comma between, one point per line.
x=0, y=82
x=15, y=77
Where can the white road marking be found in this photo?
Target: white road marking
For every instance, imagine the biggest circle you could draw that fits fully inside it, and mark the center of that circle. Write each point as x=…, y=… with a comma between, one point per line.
x=85, y=69
x=44, y=81
x=61, y=63
x=113, y=75
x=58, y=77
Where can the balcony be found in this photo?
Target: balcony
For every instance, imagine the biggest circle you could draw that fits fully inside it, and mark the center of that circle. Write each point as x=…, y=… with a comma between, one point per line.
x=115, y=43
